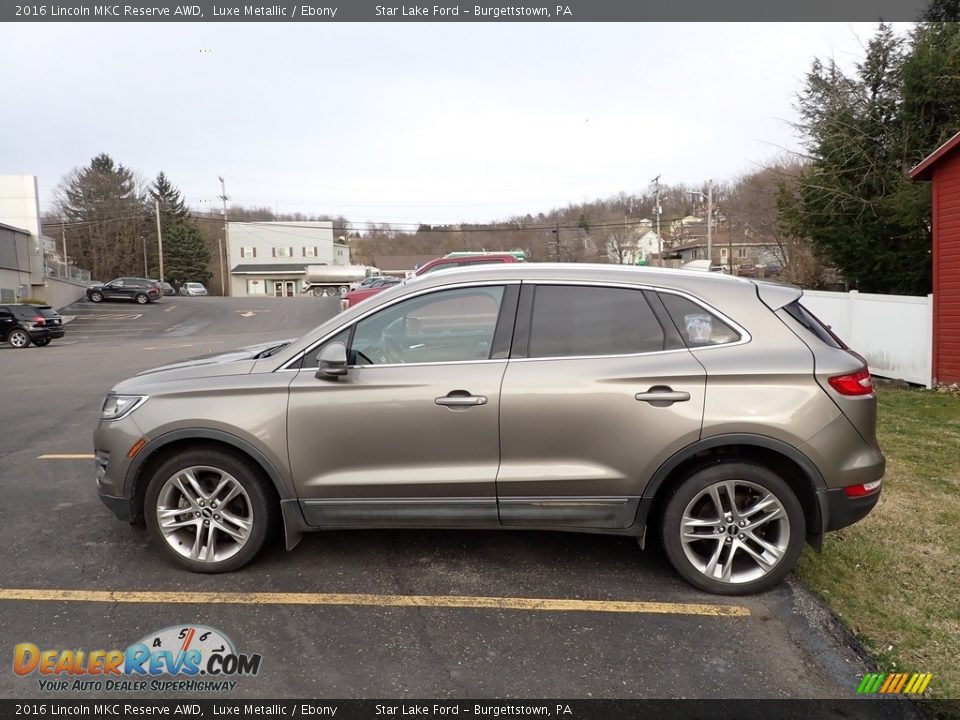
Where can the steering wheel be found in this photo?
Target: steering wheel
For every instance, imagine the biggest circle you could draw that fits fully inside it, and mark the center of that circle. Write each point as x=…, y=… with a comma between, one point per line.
x=391, y=348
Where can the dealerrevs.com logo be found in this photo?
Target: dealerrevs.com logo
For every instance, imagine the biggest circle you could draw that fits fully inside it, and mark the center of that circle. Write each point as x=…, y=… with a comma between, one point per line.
x=179, y=658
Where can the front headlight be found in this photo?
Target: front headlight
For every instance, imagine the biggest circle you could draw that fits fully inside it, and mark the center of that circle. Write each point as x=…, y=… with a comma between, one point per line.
x=119, y=406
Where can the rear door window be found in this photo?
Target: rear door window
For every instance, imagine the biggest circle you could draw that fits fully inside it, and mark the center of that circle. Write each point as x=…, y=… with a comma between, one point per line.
x=698, y=326
x=581, y=320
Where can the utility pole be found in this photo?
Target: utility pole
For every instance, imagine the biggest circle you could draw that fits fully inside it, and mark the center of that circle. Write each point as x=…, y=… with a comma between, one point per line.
x=656, y=211
x=224, y=250
x=156, y=207
x=709, y=223
x=146, y=269
x=557, y=231
x=63, y=239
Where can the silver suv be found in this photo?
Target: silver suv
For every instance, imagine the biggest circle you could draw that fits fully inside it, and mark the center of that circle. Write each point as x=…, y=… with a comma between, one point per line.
x=713, y=411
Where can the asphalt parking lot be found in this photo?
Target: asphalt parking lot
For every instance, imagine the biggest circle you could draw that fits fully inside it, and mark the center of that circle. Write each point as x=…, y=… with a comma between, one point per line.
x=377, y=613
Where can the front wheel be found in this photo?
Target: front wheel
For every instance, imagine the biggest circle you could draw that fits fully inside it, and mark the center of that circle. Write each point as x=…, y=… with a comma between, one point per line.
x=18, y=338
x=142, y=299
x=96, y=296
x=733, y=529
x=209, y=510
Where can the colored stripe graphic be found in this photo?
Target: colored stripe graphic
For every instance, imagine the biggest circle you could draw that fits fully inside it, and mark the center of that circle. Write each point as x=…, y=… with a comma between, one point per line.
x=894, y=683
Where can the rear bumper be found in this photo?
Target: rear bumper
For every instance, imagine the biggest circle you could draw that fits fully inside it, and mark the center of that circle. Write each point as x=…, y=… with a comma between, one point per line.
x=49, y=332
x=840, y=510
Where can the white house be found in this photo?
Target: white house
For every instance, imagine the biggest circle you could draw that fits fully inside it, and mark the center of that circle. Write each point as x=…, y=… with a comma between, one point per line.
x=270, y=258
x=637, y=247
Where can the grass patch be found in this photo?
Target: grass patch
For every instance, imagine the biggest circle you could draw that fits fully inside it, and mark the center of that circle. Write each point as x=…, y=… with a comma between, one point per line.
x=894, y=578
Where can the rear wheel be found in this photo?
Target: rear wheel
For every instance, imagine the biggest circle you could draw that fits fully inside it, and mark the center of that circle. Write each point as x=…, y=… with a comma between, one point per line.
x=209, y=510
x=42, y=342
x=96, y=296
x=18, y=338
x=142, y=299
x=319, y=292
x=733, y=529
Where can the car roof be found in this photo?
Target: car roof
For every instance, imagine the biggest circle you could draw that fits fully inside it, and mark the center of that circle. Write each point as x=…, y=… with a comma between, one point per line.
x=712, y=287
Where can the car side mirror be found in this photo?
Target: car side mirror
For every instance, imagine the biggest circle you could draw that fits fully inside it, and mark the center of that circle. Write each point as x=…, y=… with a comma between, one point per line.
x=332, y=361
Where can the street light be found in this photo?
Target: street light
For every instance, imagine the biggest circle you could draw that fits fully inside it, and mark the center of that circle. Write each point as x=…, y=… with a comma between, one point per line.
x=709, y=198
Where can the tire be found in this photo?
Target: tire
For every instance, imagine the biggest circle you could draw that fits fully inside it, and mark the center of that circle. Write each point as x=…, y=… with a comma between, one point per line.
x=142, y=299
x=747, y=548
x=42, y=342
x=319, y=292
x=18, y=338
x=342, y=290
x=96, y=296
x=171, y=494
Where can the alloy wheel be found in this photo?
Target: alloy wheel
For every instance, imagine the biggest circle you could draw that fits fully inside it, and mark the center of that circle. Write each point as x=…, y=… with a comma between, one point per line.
x=735, y=531
x=19, y=339
x=204, y=514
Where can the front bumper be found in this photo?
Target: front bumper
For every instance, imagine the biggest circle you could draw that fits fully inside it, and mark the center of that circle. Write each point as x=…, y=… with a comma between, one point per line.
x=121, y=507
x=112, y=441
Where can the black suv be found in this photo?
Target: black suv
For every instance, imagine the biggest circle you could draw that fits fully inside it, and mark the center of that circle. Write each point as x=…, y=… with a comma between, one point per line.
x=21, y=325
x=139, y=290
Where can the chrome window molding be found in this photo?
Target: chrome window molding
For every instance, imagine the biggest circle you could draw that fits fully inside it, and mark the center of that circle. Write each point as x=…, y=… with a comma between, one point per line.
x=437, y=288
x=745, y=336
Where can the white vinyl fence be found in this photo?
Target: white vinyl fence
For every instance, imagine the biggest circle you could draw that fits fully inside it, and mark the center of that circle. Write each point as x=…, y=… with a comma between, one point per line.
x=893, y=332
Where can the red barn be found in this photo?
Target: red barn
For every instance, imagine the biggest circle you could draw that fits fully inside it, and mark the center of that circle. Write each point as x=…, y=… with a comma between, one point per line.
x=943, y=168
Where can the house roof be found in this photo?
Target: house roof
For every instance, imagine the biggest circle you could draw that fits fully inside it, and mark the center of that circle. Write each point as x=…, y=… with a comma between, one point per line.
x=15, y=229
x=924, y=170
x=270, y=269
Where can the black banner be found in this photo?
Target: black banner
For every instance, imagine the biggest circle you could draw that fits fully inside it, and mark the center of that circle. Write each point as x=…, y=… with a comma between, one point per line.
x=856, y=709
x=453, y=11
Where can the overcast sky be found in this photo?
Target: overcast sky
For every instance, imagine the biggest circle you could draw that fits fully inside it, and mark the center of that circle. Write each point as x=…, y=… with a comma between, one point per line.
x=408, y=122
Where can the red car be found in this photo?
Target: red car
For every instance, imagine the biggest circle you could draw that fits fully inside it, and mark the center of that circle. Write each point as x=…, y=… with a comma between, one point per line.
x=442, y=263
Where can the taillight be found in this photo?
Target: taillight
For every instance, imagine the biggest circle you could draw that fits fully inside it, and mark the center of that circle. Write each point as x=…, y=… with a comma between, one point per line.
x=858, y=383
x=39, y=321
x=862, y=489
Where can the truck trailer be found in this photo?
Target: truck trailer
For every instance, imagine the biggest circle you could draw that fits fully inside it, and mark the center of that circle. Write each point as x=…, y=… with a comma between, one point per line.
x=334, y=280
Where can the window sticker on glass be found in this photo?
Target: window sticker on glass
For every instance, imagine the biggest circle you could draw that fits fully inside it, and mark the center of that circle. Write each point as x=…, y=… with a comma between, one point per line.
x=699, y=327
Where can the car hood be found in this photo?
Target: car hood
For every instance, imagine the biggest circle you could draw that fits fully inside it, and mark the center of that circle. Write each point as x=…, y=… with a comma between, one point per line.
x=209, y=365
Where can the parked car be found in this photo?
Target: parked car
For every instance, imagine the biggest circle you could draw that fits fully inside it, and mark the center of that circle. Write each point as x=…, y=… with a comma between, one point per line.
x=140, y=290
x=713, y=411
x=167, y=288
x=193, y=289
x=449, y=262
x=367, y=282
x=21, y=325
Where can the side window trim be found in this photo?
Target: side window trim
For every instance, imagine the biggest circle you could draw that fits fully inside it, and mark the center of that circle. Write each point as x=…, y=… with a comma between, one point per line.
x=297, y=363
x=521, y=332
x=503, y=332
x=672, y=340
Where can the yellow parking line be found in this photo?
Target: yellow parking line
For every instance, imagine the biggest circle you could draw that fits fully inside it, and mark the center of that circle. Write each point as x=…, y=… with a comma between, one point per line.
x=66, y=456
x=421, y=601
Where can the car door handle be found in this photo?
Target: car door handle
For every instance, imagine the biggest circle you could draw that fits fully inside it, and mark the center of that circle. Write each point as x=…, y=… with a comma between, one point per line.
x=460, y=400
x=662, y=396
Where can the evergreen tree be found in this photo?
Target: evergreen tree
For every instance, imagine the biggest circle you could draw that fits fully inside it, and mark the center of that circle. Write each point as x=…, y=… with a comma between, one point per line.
x=931, y=81
x=186, y=257
x=854, y=201
x=106, y=218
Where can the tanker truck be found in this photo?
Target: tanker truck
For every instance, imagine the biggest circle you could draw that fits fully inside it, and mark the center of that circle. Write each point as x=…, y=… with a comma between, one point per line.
x=334, y=280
